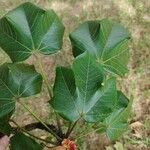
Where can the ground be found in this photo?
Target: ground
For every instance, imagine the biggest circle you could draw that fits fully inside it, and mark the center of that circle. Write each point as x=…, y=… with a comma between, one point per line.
x=133, y=14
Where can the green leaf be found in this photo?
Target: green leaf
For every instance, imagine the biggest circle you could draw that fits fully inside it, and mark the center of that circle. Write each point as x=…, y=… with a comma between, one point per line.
x=5, y=127
x=64, y=90
x=107, y=41
x=17, y=81
x=22, y=142
x=79, y=93
x=122, y=100
x=29, y=29
x=114, y=127
x=116, y=124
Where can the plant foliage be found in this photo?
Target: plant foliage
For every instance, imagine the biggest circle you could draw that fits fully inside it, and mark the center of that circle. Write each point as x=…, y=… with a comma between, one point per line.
x=84, y=92
x=29, y=29
x=106, y=41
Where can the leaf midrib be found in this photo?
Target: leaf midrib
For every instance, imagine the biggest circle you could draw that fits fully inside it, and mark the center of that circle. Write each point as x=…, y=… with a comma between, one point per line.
x=86, y=85
x=70, y=93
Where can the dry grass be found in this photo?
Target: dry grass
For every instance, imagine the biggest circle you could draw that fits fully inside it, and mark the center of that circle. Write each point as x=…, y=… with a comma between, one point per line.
x=135, y=15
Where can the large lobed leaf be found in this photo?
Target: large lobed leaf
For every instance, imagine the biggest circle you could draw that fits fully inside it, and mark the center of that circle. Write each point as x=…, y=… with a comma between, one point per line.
x=29, y=29
x=84, y=92
x=17, y=81
x=22, y=142
x=106, y=40
x=80, y=93
x=116, y=124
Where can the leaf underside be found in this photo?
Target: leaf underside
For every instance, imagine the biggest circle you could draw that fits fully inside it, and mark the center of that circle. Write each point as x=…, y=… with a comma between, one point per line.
x=29, y=29
x=106, y=40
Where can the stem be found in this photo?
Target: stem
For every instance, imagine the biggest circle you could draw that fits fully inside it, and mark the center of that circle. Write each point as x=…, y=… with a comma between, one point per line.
x=49, y=88
x=70, y=129
x=37, y=118
x=23, y=130
x=88, y=133
x=59, y=124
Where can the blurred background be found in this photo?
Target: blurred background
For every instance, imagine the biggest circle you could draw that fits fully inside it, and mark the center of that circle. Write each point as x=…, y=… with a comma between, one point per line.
x=133, y=14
